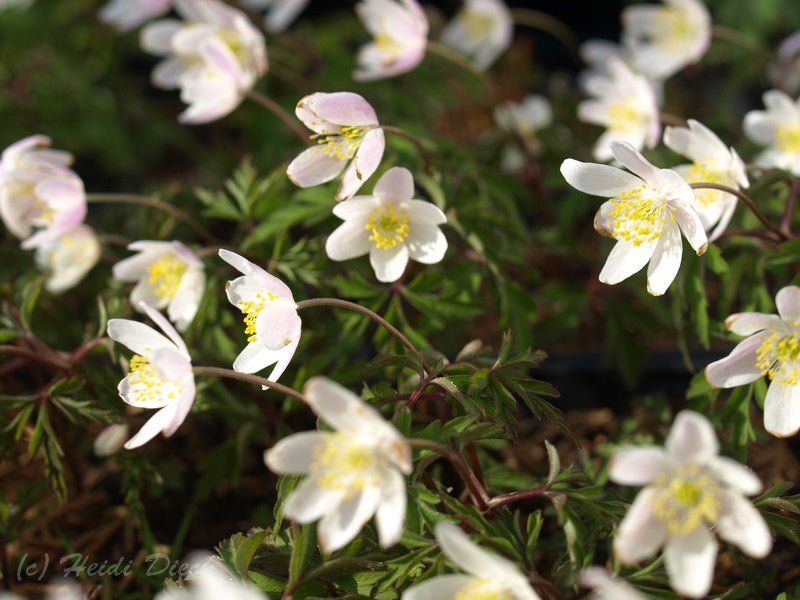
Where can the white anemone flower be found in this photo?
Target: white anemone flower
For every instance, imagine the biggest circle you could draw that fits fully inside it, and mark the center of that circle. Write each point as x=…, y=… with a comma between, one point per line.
x=389, y=225
x=400, y=36
x=648, y=210
x=111, y=439
x=522, y=120
x=784, y=71
x=125, y=15
x=353, y=472
x=40, y=196
x=348, y=138
x=608, y=587
x=772, y=348
x=280, y=13
x=778, y=128
x=270, y=317
x=713, y=162
x=167, y=275
x=68, y=258
x=214, y=56
x=664, y=39
x=625, y=104
x=483, y=30
x=160, y=374
x=489, y=575
x=691, y=492
x=209, y=579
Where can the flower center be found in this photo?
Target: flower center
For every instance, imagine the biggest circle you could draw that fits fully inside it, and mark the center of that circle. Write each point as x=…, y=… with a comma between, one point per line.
x=673, y=28
x=147, y=385
x=483, y=589
x=778, y=357
x=344, y=464
x=787, y=138
x=625, y=115
x=685, y=498
x=388, y=226
x=639, y=215
x=388, y=45
x=165, y=275
x=342, y=145
x=477, y=25
x=251, y=309
x=707, y=171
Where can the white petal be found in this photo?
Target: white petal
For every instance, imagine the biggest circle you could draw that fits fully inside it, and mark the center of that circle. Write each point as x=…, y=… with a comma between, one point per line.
x=295, y=454
x=691, y=439
x=349, y=240
x=748, y=323
x=691, y=226
x=364, y=163
x=637, y=466
x=788, y=302
x=470, y=557
x=139, y=338
x=339, y=407
x=314, y=166
x=690, y=562
x=340, y=526
x=633, y=160
x=426, y=244
x=396, y=184
x=284, y=358
x=741, y=523
x=391, y=513
x=390, y=264
x=423, y=212
x=735, y=475
x=255, y=357
x=358, y=207
x=441, y=587
x=739, y=367
x=184, y=304
x=152, y=427
x=278, y=325
x=641, y=533
x=260, y=278
x=598, y=180
x=166, y=327
x=308, y=502
x=666, y=260
x=782, y=409
x=624, y=260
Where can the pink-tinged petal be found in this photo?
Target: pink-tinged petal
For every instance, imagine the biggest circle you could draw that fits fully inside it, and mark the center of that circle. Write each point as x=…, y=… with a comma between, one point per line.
x=444, y=587
x=367, y=158
x=167, y=74
x=356, y=208
x=426, y=244
x=340, y=408
x=340, y=526
x=424, y=213
x=739, y=367
x=171, y=364
x=396, y=184
x=748, y=323
x=283, y=14
x=736, y=476
x=692, y=439
x=741, y=523
x=692, y=227
x=268, y=282
x=139, y=338
x=278, y=325
x=152, y=427
x=391, y=513
x=788, y=302
x=782, y=409
x=640, y=534
x=310, y=501
x=666, y=260
x=633, y=160
x=218, y=55
x=166, y=327
x=624, y=260
x=389, y=264
x=339, y=108
x=690, y=562
x=598, y=180
x=184, y=304
x=637, y=466
x=349, y=240
x=156, y=38
x=295, y=454
x=314, y=166
x=218, y=101
x=284, y=357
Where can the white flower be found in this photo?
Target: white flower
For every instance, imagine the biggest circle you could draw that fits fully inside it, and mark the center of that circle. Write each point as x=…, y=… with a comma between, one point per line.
x=281, y=13
x=68, y=257
x=623, y=102
x=400, y=32
x=390, y=226
x=647, y=213
x=209, y=579
x=160, y=374
x=713, y=163
x=348, y=137
x=353, y=472
x=772, y=349
x=38, y=190
x=778, y=127
x=111, y=439
x=270, y=317
x=691, y=491
x=608, y=587
x=522, y=120
x=664, y=39
x=129, y=14
x=490, y=576
x=168, y=275
x=482, y=29
x=784, y=71
x=214, y=56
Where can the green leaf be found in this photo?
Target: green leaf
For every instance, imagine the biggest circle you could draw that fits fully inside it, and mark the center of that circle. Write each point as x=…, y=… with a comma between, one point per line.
x=239, y=549
x=385, y=361
x=303, y=547
x=30, y=294
x=553, y=460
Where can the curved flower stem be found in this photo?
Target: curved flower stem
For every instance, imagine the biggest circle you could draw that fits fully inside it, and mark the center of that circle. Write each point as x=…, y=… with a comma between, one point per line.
x=721, y=32
x=231, y=374
x=426, y=156
x=747, y=201
x=372, y=315
x=512, y=497
x=786, y=219
x=543, y=22
x=277, y=110
x=454, y=57
x=474, y=486
x=158, y=204
x=751, y=233
x=670, y=119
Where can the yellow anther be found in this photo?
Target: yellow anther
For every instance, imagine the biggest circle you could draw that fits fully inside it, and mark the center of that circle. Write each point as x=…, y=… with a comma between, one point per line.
x=787, y=137
x=778, y=357
x=625, y=115
x=477, y=24
x=344, y=464
x=165, y=274
x=251, y=309
x=387, y=44
x=344, y=144
x=483, y=589
x=639, y=215
x=389, y=226
x=673, y=29
x=686, y=498
x=147, y=384
x=708, y=171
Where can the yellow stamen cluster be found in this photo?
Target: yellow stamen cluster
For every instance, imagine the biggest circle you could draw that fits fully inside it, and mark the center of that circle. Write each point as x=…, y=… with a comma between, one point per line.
x=165, y=274
x=477, y=24
x=387, y=44
x=251, y=309
x=147, y=384
x=707, y=171
x=342, y=145
x=787, y=138
x=639, y=215
x=344, y=464
x=673, y=29
x=686, y=498
x=778, y=357
x=483, y=589
x=625, y=115
x=388, y=226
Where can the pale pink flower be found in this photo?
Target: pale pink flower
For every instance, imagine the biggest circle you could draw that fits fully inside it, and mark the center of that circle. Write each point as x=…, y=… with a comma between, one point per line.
x=129, y=14
x=778, y=128
x=483, y=30
x=280, y=13
x=348, y=137
x=400, y=32
x=67, y=258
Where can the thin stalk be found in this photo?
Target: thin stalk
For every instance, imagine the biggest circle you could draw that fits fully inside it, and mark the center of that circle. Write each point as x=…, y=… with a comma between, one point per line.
x=512, y=497
x=786, y=219
x=454, y=57
x=751, y=233
x=372, y=315
x=231, y=374
x=670, y=119
x=747, y=201
x=543, y=22
x=721, y=32
x=153, y=203
x=426, y=156
x=277, y=110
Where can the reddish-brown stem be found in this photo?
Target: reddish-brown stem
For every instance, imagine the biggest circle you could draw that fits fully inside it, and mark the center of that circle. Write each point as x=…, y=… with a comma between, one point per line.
x=512, y=497
x=747, y=201
x=230, y=374
x=426, y=156
x=277, y=110
x=786, y=219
